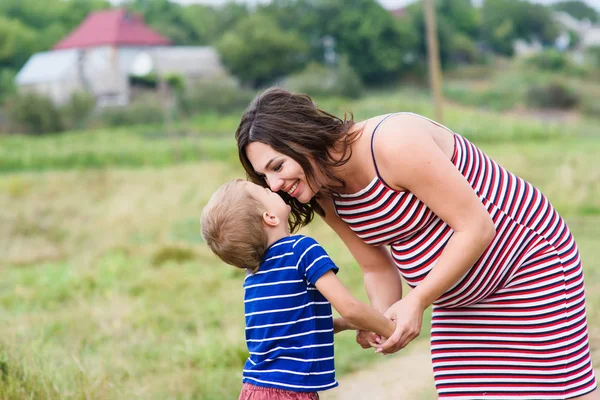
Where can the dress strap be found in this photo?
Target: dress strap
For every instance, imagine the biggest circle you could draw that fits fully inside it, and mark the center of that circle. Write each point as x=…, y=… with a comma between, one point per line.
x=373, y=147
x=385, y=119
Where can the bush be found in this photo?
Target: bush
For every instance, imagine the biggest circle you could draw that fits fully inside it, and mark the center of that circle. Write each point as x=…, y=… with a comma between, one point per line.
x=552, y=95
x=32, y=113
x=318, y=80
x=593, y=55
x=7, y=79
x=549, y=60
x=463, y=49
x=77, y=110
x=222, y=95
x=144, y=110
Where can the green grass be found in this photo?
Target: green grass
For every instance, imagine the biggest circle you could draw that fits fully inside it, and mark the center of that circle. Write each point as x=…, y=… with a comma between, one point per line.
x=108, y=291
x=104, y=148
x=506, y=88
x=211, y=136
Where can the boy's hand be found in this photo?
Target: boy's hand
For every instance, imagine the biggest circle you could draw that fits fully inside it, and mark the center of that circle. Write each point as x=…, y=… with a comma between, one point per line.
x=367, y=340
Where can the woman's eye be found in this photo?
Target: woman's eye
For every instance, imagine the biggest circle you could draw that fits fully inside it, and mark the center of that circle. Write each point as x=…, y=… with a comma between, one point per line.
x=278, y=168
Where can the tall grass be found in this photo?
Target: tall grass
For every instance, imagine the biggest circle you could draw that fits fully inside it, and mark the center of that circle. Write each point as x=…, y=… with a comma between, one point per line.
x=108, y=291
x=201, y=138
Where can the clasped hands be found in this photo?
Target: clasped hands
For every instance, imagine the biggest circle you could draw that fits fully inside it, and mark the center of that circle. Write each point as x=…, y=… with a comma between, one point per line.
x=408, y=316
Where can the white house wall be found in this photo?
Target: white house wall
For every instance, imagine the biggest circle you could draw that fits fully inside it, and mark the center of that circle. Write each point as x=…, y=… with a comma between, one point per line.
x=104, y=70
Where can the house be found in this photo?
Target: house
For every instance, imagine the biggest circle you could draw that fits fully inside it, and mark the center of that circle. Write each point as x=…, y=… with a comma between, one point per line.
x=101, y=55
x=589, y=34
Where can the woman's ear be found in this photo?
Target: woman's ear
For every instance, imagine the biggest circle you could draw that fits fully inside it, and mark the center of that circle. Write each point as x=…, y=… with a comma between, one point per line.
x=270, y=219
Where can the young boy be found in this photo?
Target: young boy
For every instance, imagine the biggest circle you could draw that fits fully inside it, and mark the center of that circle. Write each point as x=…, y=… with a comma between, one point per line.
x=289, y=290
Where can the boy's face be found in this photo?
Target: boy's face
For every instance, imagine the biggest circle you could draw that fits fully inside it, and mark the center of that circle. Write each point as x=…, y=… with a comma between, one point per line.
x=272, y=201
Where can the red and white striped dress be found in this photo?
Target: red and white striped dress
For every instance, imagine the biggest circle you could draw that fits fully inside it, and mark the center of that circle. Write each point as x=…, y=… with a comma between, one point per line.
x=514, y=325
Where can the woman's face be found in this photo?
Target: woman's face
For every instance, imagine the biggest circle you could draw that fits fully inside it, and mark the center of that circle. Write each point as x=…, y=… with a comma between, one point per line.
x=281, y=173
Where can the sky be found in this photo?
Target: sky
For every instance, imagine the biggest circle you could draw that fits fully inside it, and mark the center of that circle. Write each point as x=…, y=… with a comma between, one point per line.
x=386, y=3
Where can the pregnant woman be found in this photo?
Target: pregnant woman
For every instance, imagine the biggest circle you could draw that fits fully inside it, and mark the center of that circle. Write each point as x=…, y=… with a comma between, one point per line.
x=482, y=245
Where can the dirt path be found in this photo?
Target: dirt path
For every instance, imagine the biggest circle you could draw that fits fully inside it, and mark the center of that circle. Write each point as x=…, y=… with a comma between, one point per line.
x=402, y=376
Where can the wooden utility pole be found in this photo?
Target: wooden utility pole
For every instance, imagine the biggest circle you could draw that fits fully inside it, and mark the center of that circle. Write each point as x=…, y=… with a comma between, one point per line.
x=433, y=53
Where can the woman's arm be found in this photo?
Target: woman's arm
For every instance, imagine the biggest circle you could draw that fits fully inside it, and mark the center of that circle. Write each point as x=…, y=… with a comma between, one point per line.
x=381, y=278
x=408, y=157
x=380, y=275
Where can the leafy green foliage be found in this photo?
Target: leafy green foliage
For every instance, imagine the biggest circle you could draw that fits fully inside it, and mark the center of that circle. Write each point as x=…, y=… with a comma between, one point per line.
x=257, y=51
x=17, y=42
x=593, y=54
x=77, y=111
x=577, y=9
x=319, y=80
x=504, y=21
x=144, y=110
x=222, y=95
x=33, y=113
x=457, y=26
x=28, y=26
x=377, y=45
x=553, y=95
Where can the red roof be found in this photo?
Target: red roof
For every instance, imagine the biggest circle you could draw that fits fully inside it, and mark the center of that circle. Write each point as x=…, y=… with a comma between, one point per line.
x=115, y=27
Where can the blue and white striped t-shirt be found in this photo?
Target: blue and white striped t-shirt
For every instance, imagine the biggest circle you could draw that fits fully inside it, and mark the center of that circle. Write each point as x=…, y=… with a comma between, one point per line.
x=289, y=325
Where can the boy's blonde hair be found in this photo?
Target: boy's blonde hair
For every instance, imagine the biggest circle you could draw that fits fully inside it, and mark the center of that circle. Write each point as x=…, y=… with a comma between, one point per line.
x=232, y=226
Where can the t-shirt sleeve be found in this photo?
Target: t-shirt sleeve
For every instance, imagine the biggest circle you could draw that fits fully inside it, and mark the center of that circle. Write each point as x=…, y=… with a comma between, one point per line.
x=313, y=260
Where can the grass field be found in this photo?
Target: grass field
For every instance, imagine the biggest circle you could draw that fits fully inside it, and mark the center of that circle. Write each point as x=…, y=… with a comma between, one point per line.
x=109, y=293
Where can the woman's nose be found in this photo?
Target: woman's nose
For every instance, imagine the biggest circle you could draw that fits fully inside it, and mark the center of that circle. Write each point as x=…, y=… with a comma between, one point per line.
x=275, y=183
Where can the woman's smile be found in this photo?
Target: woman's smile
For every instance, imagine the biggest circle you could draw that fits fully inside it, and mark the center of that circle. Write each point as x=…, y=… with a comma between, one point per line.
x=291, y=191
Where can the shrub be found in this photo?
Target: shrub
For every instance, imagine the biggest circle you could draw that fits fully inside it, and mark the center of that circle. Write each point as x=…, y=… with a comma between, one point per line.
x=221, y=95
x=7, y=79
x=144, y=110
x=77, y=110
x=319, y=80
x=463, y=49
x=32, y=113
x=549, y=60
x=593, y=55
x=552, y=95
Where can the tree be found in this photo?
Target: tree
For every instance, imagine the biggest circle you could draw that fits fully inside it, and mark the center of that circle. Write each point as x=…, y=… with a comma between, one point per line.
x=461, y=15
x=457, y=25
x=376, y=45
x=258, y=52
x=51, y=19
x=577, y=9
x=17, y=43
x=164, y=16
x=504, y=21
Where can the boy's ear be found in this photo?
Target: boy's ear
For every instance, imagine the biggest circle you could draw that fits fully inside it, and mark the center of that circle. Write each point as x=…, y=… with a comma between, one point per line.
x=270, y=219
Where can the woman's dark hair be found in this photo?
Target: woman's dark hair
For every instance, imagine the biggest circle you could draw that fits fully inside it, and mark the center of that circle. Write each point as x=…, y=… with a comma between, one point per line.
x=292, y=125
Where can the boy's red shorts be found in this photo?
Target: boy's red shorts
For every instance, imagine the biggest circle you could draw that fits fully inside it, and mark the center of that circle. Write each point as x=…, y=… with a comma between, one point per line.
x=253, y=392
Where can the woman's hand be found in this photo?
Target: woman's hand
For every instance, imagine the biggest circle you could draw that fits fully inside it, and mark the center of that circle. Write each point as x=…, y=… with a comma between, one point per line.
x=366, y=340
x=408, y=316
